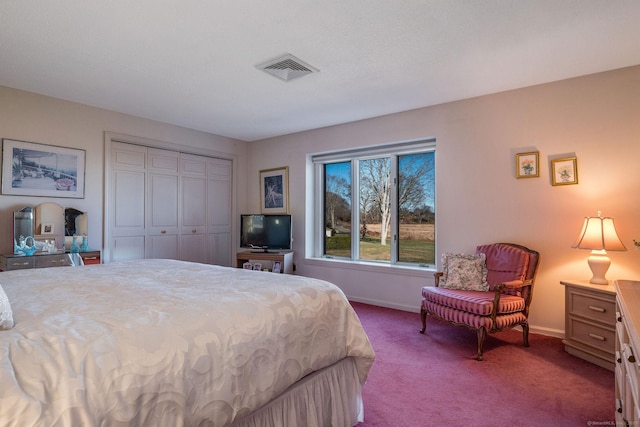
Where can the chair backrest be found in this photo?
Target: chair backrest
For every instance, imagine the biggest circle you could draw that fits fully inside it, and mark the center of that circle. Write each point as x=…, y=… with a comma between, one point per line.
x=508, y=261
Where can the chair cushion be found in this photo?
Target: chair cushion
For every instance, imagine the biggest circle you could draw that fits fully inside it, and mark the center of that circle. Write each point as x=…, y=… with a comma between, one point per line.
x=504, y=263
x=467, y=272
x=474, y=302
x=475, y=321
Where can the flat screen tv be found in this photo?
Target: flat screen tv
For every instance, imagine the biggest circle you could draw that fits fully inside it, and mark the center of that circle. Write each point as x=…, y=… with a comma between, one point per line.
x=265, y=232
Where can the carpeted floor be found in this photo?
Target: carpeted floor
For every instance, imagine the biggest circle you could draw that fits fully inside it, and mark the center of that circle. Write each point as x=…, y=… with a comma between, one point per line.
x=434, y=380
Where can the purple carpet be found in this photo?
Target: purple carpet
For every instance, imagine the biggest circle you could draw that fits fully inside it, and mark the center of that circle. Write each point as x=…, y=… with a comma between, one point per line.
x=434, y=380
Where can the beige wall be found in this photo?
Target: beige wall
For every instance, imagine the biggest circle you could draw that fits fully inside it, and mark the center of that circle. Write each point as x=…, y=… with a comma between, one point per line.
x=479, y=200
x=30, y=117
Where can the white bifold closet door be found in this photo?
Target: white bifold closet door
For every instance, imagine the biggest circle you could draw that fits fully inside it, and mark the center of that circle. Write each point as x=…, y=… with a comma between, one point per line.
x=166, y=204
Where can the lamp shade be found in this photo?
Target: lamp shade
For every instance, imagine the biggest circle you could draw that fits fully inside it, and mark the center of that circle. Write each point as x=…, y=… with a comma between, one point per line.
x=599, y=233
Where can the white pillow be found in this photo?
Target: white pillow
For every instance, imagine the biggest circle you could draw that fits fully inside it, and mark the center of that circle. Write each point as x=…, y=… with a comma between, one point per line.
x=6, y=315
x=466, y=272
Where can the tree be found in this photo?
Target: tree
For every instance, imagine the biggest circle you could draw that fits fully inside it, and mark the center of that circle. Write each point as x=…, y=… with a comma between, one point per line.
x=338, y=190
x=375, y=190
x=415, y=171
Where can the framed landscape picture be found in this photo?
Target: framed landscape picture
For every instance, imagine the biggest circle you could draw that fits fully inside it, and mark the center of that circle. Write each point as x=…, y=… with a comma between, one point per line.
x=32, y=169
x=274, y=191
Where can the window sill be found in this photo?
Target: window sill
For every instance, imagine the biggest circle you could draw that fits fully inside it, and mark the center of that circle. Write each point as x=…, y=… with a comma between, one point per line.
x=370, y=266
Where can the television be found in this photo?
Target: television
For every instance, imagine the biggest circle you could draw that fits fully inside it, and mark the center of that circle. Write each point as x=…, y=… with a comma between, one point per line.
x=266, y=232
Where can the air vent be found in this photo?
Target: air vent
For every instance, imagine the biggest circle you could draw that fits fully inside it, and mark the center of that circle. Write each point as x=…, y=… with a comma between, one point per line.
x=287, y=67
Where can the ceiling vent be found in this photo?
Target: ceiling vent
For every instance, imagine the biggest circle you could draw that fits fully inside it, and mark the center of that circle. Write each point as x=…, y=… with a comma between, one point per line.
x=287, y=67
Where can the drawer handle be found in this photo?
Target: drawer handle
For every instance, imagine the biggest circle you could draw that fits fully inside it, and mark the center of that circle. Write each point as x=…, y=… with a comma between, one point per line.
x=20, y=263
x=194, y=230
x=89, y=258
x=597, y=337
x=631, y=358
x=595, y=308
x=163, y=232
x=57, y=261
x=618, y=316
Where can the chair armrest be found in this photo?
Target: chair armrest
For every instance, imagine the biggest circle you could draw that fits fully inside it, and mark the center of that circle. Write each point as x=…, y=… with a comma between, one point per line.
x=513, y=284
x=436, y=276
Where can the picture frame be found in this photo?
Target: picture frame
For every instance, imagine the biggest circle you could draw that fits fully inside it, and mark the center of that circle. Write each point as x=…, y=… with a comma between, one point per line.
x=34, y=169
x=47, y=228
x=247, y=266
x=276, y=266
x=257, y=266
x=564, y=171
x=527, y=165
x=274, y=190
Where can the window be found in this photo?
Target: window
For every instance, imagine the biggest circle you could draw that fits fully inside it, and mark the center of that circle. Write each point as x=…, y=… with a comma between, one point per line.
x=388, y=193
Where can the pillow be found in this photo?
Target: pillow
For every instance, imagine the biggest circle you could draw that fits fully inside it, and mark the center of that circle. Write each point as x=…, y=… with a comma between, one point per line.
x=467, y=272
x=6, y=315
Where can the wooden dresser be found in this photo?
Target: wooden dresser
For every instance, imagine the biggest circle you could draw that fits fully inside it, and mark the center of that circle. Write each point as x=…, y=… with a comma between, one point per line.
x=42, y=260
x=627, y=353
x=590, y=322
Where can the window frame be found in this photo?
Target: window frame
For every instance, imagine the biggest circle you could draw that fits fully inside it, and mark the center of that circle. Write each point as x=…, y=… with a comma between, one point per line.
x=393, y=150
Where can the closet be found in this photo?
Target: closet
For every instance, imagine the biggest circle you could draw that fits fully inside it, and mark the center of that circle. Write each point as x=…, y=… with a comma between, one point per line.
x=167, y=204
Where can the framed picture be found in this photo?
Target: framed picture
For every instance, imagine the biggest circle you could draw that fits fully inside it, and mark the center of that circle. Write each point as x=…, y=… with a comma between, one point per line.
x=276, y=267
x=564, y=171
x=274, y=190
x=247, y=266
x=527, y=165
x=257, y=266
x=46, y=228
x=31, y=169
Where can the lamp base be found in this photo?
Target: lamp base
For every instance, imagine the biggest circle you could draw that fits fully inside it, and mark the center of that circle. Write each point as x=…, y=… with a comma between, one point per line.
x=599, y=263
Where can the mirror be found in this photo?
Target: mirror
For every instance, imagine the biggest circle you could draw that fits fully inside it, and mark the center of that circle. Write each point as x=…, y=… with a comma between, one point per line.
x=50, y=221
x=23, y=222
x=75, y=222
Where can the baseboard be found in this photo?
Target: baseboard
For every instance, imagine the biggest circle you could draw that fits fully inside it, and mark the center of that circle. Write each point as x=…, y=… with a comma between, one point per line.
x=386, y=304
x=413, y=309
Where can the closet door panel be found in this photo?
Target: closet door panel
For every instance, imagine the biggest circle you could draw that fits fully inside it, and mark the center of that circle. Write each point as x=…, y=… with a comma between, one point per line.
x=164, y=246
x=124, y=248
x=128, y=156
x=219, y=249
x=194, y=248
x=194, y=205
x=129, y=196
x=163, y=204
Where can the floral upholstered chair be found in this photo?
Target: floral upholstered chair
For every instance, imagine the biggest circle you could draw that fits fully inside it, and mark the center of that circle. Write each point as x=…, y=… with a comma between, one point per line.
x=488, y=292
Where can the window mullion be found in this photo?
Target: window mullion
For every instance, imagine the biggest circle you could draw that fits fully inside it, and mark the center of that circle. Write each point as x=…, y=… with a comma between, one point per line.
x=319, y=223
x=355, y=209
x=394, y=210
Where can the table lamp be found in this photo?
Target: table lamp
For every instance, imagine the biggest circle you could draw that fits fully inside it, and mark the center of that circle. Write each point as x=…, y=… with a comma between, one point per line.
x=599, y=235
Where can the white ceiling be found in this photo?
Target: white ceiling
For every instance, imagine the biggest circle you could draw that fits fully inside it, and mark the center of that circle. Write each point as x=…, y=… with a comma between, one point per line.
x=192, y=62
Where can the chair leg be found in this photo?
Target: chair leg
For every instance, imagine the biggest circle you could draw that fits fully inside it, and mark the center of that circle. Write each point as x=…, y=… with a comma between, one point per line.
x=482, y=334
x=423, y=316
x=525, y=334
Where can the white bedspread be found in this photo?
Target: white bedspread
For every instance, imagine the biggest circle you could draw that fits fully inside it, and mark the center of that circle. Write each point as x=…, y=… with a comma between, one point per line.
x=164, y=343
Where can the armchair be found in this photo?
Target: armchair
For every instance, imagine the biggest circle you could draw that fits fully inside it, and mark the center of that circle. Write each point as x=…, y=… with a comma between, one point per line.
x=510, y=273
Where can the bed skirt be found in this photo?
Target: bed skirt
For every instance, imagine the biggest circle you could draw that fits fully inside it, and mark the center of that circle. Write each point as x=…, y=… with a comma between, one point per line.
x=329, y=397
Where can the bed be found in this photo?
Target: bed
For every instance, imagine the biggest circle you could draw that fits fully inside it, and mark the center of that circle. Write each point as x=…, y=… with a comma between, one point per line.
x=172, y=343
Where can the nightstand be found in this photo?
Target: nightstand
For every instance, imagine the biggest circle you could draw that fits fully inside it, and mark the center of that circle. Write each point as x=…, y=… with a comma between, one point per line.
x=590, y=322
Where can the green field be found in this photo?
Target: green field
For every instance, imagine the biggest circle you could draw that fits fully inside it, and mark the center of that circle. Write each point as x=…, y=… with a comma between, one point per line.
x=414, y=251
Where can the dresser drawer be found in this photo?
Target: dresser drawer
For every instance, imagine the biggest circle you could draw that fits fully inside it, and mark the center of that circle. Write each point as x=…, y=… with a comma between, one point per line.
x=600, y=338
x=61, y=260
x=593, y=306
x=18, y=263
x=89, y=258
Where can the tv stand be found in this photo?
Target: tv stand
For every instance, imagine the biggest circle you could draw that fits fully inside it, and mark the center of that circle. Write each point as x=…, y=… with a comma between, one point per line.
x=285, y=258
